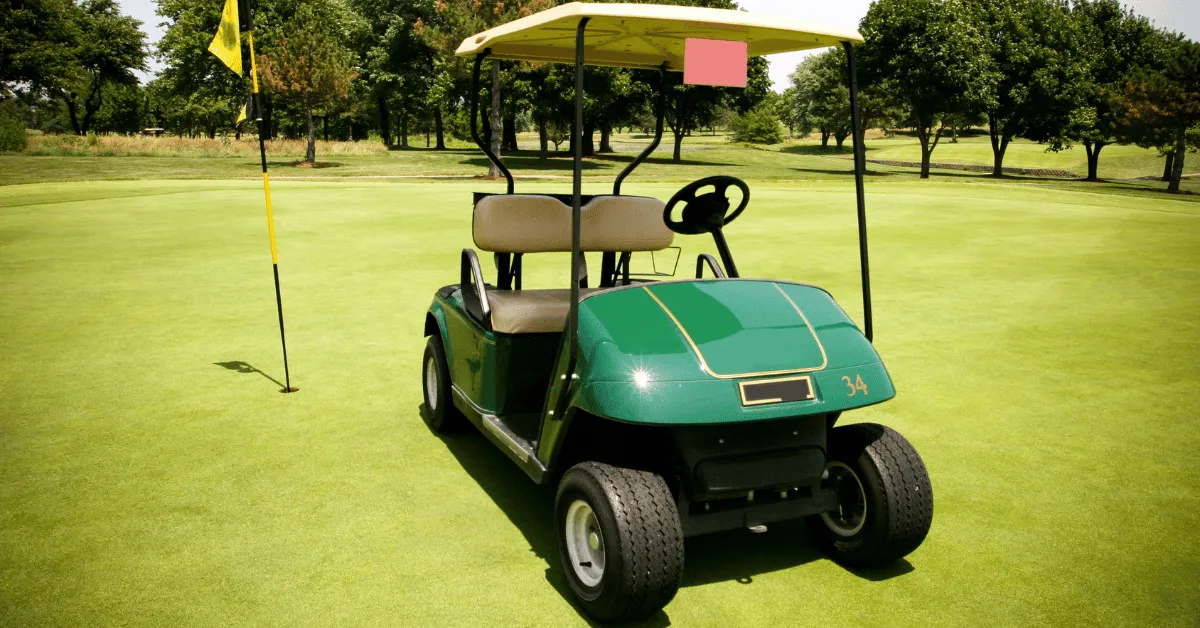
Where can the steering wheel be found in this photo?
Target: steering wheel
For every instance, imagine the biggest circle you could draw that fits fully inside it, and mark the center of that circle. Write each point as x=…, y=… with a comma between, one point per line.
x=708, y=212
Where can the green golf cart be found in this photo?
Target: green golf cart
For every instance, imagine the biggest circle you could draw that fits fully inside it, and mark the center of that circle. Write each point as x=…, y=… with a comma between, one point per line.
x=671, y=408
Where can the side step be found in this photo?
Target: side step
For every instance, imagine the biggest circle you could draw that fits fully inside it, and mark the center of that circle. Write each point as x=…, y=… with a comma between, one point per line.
x=521, y=450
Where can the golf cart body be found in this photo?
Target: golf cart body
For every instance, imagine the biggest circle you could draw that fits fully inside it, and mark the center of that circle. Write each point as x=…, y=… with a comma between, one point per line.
x=723, y=391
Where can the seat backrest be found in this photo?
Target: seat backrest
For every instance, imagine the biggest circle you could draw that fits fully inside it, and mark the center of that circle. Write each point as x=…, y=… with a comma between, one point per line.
x=529, y=223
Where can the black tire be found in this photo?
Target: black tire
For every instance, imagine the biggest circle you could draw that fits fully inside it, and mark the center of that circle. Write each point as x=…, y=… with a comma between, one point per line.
x=894, y=490
x=641, y=540
x=440, y=414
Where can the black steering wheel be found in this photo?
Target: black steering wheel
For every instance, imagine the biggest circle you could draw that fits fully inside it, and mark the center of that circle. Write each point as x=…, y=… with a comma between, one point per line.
x=708, y=212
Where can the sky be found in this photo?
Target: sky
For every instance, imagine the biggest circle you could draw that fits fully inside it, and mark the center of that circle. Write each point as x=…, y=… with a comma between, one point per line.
x=1177, y=15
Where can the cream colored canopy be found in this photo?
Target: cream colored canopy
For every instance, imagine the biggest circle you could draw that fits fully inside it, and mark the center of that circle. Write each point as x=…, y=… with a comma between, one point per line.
x=645, y=35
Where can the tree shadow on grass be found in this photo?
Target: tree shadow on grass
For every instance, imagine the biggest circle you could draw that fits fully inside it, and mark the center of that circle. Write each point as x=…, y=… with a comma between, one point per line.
x=244, y=367
x=736, y=555
x=818, y=150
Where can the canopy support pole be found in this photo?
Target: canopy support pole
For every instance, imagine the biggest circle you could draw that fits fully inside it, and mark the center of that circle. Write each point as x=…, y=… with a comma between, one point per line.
x=475, y=118
x=860, y=165
x=658, y=132
x=577, y=199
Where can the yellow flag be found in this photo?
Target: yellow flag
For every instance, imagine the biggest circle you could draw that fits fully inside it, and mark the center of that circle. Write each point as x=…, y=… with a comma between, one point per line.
x=248, y=111
x=227, y=44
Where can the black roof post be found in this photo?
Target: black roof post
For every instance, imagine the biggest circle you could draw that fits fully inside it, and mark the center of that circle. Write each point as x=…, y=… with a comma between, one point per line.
x=661, y=104
x=577, y=199
x=860, y=165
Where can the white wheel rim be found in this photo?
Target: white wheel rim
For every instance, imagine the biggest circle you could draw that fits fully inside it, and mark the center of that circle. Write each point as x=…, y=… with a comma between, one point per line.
x=585, y=543
x=431, y=383
x=851, y=513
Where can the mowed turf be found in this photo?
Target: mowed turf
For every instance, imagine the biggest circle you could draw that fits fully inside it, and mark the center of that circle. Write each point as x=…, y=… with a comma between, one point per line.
x=1044, y=343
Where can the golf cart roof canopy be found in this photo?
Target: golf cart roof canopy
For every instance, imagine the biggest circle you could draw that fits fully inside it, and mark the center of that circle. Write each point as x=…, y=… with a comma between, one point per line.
x=645, y=35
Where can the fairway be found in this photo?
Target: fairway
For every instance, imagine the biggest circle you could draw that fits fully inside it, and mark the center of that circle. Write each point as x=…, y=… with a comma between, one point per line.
x=1044, y=344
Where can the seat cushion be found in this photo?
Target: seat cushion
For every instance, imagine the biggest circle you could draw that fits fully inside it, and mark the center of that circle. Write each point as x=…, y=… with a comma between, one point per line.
x=530, y=311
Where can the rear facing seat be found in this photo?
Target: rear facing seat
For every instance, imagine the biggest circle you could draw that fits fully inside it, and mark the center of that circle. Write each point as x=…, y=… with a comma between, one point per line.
x=523, y=223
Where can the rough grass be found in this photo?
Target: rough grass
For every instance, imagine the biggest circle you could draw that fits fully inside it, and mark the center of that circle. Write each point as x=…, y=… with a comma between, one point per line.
x=169, y=146
x=1043, y=341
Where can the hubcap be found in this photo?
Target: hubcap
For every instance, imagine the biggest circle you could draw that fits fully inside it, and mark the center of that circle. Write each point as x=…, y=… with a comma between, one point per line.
x=585, y=543
x=431, y=383
x=851, y=511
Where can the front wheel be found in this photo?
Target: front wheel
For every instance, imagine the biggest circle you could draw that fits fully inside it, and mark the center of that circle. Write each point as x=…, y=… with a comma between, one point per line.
x=885, y=500
x=619, y=540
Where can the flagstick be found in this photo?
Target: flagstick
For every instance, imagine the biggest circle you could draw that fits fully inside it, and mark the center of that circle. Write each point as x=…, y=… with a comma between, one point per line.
x=262, y=151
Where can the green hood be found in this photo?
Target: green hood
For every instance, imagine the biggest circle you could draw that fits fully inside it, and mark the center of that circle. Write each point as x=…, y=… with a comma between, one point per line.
x=650, y=340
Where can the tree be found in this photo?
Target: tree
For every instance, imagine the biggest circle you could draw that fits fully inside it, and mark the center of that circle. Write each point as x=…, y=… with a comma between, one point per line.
x=38, y=39
x=931, y=59
x=758, y=126
x=310, y=67
x=1117, y=43
x=1037, y=65
x=453, y=21
x=1163, y=105
x=821, y=96
x=78, y=55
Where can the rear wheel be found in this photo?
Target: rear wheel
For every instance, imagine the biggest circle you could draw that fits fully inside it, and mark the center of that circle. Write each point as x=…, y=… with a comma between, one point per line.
x=619, y=539
x=885, y=500
x=440, y=413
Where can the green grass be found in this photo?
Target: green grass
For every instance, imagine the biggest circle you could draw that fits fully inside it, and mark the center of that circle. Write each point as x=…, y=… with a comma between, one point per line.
x=1044, y=343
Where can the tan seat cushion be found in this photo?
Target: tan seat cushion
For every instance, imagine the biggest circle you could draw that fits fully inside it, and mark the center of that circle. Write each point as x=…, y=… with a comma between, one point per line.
x=528, y=223
x=530, y=311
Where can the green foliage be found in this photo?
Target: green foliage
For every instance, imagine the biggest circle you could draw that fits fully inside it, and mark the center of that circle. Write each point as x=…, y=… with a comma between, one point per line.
x=309, y=67
x=931, y=57
x=12, y=127
x=1163, y=104
x=757, y=126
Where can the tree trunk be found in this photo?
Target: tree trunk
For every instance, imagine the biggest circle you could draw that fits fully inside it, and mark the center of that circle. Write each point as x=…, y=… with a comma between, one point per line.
x=384, y=119
x=438, y=129
x=839, y=138
x=999, y=145
x=404, y=129
x=1169, y=167
x=606, y=138
x=496, y=124
x=824, y=138
x=678, y=156
x=589, y=140
x=325, y=127
x=73, y=112
x=1093, y=155
x=510, y=133
x=543, y=139
x=1177, y=167
x=310, y=155
x=926, y=152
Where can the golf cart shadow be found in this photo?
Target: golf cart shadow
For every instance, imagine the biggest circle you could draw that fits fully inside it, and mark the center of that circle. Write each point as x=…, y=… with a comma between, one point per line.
x=737, y=555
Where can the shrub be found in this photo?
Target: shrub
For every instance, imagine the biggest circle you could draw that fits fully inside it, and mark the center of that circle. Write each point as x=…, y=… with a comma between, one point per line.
x=12, y=128
x=760, y=126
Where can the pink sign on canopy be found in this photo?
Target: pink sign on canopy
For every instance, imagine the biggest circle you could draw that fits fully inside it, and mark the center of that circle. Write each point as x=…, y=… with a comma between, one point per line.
x=715, y=62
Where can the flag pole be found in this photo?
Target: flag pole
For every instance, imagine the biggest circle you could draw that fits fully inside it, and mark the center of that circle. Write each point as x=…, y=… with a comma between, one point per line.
x=262, y=152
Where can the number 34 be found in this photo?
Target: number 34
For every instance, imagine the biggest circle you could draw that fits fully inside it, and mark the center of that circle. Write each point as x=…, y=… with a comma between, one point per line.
x=856, y=385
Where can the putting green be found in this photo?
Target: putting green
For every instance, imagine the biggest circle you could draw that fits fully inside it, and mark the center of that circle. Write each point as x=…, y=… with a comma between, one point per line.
x=1044, y=345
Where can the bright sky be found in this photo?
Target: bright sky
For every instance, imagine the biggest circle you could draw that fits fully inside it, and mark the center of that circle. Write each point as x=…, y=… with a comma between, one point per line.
x=1179, y=15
